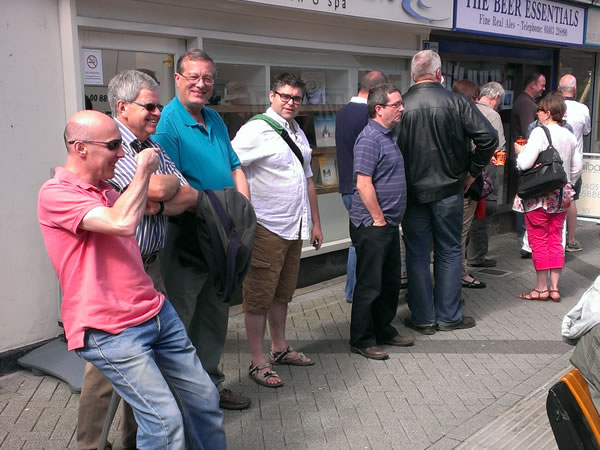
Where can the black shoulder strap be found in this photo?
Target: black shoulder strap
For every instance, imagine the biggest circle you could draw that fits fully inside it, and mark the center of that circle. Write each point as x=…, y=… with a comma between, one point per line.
x=547, y=134
x=283, y=133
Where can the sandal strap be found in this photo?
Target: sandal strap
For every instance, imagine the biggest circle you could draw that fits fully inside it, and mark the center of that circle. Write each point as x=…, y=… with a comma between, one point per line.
x=254, y=371
x=278, y=357
x=528, y=296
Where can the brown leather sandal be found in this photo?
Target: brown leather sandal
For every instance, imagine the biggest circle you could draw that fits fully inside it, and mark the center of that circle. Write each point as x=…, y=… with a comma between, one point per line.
x=539, y=297
x=555, y=295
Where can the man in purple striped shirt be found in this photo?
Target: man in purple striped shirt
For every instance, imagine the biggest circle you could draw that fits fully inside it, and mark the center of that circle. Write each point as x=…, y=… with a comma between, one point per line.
x=133, y=98
x=377, y=209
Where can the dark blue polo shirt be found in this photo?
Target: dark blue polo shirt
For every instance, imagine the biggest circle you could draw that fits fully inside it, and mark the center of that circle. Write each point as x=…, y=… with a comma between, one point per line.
x=376, y=154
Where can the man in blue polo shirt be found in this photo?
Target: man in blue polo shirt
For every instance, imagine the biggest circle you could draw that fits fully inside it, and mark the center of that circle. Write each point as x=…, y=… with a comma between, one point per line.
x=377, y=209
x=197, y=141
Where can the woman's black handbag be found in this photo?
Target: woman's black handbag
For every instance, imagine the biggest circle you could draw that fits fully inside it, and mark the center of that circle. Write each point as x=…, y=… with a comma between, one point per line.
x=546, y=175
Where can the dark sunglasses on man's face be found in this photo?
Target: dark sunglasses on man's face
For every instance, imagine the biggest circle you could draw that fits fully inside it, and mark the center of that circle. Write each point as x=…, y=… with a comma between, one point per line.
x=111, y=145
x=150, y=106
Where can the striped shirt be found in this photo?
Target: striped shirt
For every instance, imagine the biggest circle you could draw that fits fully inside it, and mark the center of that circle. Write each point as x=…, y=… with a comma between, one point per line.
x=376, y=155
x=151, y=233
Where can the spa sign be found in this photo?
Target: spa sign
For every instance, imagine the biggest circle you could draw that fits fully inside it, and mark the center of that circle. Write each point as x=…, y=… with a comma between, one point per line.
x=431, y=13
x=537, y=20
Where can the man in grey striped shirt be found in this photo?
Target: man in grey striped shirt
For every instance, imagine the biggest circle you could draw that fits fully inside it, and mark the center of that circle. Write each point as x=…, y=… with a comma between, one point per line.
x=133, y=98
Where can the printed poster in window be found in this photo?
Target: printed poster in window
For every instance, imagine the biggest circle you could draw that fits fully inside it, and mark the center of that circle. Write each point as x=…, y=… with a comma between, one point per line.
x=315, y=87
x=328, y=170
x=324, y=129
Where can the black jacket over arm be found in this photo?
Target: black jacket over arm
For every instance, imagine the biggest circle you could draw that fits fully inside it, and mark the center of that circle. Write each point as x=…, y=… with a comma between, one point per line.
x=435, y=136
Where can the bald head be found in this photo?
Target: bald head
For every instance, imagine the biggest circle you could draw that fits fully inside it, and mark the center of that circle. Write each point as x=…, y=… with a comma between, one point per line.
x=370, y=80
x=567, y=85
x=87, y=125
x=93, y=143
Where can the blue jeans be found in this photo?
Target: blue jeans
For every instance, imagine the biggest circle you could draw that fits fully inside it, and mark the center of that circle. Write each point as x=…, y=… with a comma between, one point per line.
x=351, y=265
x=442, y=222
x=154, y=368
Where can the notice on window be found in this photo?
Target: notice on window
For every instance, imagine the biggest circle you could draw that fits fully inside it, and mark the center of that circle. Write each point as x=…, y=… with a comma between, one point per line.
x=92, y=67
x=588, y=204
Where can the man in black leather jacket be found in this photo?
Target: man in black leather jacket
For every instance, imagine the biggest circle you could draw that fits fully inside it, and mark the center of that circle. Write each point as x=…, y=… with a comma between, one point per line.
x=434, y=137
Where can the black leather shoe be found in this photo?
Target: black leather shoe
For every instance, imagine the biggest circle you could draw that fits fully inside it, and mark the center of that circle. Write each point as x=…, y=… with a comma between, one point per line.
x=423, y=329
x=400, y=341
x=485, y=263
x=373, y=352
x=229, y=400
x=466, y=322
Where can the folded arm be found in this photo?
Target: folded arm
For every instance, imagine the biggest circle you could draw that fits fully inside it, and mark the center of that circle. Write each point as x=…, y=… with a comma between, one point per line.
x=185, y=200
x=163, y=187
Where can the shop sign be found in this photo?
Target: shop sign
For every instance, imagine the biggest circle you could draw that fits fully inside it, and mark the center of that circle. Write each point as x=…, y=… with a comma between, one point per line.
x=537, y=20
x=589, y=197
x=433, y=13
x=592, y=29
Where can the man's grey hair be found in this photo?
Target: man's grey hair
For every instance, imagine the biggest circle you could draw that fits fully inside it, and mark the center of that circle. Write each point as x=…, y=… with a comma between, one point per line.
x=379, y=96
x=426, y=62
x=492, y=90
x=126, y=86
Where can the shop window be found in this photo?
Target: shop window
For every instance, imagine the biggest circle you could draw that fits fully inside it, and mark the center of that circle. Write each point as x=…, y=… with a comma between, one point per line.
x=581, y=65
x=245, y=73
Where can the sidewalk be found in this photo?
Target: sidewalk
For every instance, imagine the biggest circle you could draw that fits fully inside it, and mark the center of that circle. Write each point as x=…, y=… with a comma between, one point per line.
x=479, y=388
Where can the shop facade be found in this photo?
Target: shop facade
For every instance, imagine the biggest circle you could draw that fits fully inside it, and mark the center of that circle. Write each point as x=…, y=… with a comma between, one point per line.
x=507, y=41
x=83, y=43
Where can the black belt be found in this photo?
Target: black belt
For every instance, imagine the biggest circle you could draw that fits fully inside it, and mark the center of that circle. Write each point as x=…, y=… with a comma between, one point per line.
x=149, y=259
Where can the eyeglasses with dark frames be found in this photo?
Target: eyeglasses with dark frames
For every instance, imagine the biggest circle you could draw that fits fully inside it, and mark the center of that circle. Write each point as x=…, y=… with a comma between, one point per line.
x=150, y=106
x=111, y=145
x=285, y=98
x=392, y=105
x=194, y=78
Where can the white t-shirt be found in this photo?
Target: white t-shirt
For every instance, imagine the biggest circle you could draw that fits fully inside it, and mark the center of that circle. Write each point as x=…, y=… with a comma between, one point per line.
x=578, y=116
x=563, y=141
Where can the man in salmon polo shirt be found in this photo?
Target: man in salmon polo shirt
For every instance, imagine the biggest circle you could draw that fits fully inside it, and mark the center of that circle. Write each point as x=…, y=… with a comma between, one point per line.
x=113, y=316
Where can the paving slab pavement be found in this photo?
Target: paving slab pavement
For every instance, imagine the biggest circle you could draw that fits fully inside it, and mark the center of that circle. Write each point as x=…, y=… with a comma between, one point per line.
x=479, y=388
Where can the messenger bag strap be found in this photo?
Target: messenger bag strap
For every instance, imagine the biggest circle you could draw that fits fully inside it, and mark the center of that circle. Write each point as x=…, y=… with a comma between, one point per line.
x=283, y=133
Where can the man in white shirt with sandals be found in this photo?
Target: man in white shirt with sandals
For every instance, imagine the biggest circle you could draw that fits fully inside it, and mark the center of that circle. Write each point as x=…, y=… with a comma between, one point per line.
x=275, y=157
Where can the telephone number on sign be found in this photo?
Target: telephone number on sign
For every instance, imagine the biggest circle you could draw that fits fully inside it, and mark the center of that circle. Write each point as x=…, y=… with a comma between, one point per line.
x=589, y=194
x=98, y=98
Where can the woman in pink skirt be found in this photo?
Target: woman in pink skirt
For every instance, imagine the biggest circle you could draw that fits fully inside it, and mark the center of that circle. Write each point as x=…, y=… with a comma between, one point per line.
x=545, y=215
